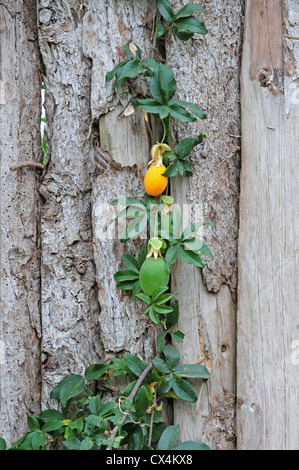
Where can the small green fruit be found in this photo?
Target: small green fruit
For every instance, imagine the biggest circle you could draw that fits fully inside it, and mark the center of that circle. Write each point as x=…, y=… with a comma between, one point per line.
x=153, y=274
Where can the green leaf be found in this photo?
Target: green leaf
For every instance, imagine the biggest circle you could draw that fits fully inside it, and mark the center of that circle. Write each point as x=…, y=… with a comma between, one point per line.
x=152, y=106
x=146, y=298
x=192, y=107
x=126, y=285
x=2, y=444
x=78, y=424
x=126, y=49
x=159, y=29
x=165, y=386
x=38, y=439
x=192, y=445
x=160, y=365
x=172, y=356
x=192, y=371
x=127, y=201
x=133, y=364
x=183, y=35
x=190, y=257
x=189, y=9
x=153, y=316
x=183, y=389
x=72, y=444
x=165, y=9
x=171, y=170
x=169, y=438
x=142, y=256
x=172, y=317
x=158, y=292
x=94, y=404
x=129, y=70
x=130, y=262
x=86, y=444
x=191, y=230
x=161, y=341
x=33, y=423
x=163, y=299
x=51, y=414
x=111, y=74
x=167, y=199
x=178, y=112
x=69, y=387
x=150, y=64
x=205, y=251
x=191, y=24
x=126, y=275
x=171, y=256
x=163, y=84
x=137, y=439
x=156, y=243
x=164, y=309
x=135, y=289
x=185, y=146
x=94, y=371
x=141, y=401
x=178, y=336
x=53, y=425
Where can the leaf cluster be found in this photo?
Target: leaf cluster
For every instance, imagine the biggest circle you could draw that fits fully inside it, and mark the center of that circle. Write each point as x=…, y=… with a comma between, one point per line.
x=183, y=23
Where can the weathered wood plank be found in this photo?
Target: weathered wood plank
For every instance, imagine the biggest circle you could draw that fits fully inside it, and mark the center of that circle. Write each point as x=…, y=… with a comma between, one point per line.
x=20, y=109
x=268, y=379
x=70, y=309
x=207, y=72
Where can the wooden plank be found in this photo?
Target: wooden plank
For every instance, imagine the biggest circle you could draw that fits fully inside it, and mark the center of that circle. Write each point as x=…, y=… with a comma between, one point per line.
x=268, y=379
x=207, y=73
x=20, y=108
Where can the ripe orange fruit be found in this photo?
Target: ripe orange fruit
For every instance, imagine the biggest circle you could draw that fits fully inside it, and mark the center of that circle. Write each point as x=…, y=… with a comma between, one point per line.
x=154, y=182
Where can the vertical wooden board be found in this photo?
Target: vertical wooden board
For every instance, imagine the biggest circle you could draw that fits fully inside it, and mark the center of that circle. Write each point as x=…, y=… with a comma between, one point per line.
x=20, y=110
x=126, y=141
x=123, y=324
x=80, y=42
x=207, y=73
x=70, y=309
x=268, y=379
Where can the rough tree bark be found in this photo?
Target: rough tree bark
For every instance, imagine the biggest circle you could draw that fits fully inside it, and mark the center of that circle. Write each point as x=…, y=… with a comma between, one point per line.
x=20, y=113
x=268, y=300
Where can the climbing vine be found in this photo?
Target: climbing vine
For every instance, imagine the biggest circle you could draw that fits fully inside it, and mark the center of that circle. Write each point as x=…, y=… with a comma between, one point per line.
x=85, y=420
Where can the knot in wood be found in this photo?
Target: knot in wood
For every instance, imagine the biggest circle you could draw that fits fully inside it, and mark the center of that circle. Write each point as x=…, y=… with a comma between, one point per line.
x=265, y=77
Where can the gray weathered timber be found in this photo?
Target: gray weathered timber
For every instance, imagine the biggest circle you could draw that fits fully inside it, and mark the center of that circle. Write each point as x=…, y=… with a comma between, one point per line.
x=123, y=325
x=207, y=72
x=268, y=328
x=121, y=169
x=70, y=310
x=20, y=109
x=82, y=318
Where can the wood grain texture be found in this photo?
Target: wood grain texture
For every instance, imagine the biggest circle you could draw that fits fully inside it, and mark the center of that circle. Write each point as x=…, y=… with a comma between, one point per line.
x=207, y=72
x=20, y=323
x=70, y=310
x=268, y=380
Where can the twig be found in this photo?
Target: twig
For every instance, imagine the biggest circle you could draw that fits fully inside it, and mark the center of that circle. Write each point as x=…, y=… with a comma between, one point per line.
x=291, y=37
x=130, y=397
x=152, y=421
x=38, y=166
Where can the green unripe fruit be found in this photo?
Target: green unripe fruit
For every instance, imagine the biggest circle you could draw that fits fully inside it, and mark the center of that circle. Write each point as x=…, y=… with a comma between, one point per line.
x=153, y=274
